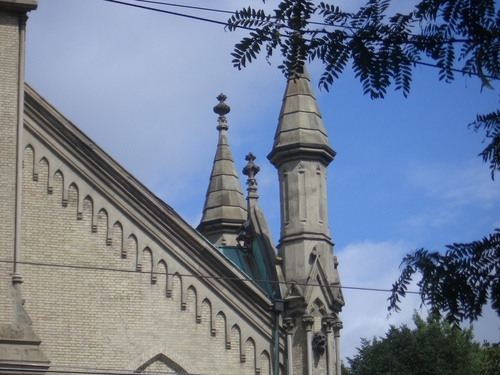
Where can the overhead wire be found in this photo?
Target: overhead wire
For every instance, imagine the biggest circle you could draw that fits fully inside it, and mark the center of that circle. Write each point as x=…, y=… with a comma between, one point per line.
x=184, y=6
x=168, y=12
x=205, y=277
x=225, y=24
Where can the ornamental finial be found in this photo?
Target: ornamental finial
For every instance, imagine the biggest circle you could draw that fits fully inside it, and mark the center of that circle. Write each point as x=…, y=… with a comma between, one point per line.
x=222, y=109
x=250, y=170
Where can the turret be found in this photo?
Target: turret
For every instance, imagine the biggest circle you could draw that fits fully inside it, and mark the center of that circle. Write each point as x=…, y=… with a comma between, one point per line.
x=313, y=298
x=301, y=153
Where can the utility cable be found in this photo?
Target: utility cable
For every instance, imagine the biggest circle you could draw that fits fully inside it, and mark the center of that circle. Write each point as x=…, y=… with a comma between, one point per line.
x=185, y=6
x=203, y=277
x=170, y=12
x=225, y=24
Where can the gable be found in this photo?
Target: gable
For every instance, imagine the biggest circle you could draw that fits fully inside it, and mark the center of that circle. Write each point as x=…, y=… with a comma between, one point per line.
x=109, y=263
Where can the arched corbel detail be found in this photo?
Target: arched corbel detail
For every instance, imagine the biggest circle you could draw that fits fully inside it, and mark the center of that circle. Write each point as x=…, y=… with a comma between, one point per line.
x=95, y=219
x=254, y=345
x=211, y=322
x=177, y=276
x=241, y=342
x=118, y=238
x=258, y=362
x=89, y=199
x=227, y=333
x=131, y=242
x=196, y=306
x=74, y=186
x=35, y=164
x=67, y=181
x=162, y=264
x=127, y=232
x=110, y=229
x=50, y=179
x=138, y=263
x=154, y=268
x=83, y=193
x=184, y=287
x=170, y=283
x=267, y=357
x=150, y=265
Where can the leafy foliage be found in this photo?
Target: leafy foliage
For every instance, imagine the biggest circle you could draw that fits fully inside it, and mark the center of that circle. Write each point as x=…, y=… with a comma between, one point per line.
x=433, y=347
x=491, y=123
x=458, y=283
x=382, y=49
x=490, y=359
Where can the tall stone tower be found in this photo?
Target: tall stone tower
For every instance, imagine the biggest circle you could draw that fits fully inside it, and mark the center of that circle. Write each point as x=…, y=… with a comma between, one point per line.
x=313, y=298
x=19, y=346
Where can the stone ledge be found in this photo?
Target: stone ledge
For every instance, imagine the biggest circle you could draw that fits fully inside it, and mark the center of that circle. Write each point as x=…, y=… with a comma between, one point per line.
x=18, y=5
x=20, y=351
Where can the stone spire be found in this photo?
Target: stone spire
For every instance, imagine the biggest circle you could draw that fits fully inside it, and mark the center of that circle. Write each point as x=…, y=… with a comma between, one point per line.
x=300, y=131
x=301, y=153
x=313, y=296
x=224, y=211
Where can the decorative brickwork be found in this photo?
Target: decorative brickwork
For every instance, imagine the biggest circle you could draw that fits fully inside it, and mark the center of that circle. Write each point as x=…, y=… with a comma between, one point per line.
x=133, y=294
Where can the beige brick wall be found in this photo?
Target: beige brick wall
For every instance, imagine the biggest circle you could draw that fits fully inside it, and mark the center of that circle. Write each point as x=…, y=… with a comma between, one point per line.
x=95, y=310
x=9, y=38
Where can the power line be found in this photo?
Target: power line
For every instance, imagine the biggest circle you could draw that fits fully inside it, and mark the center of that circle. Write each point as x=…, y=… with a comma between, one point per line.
x=168, y=12
x=185, y=6
x=225, y=24
x=203, y=277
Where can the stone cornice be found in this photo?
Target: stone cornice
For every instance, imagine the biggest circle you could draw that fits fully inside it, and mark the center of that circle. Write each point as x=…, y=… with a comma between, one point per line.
x=18, y=5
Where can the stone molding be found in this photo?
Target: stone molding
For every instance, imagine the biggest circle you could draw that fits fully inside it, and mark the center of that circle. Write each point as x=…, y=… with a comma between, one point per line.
x=18, y=5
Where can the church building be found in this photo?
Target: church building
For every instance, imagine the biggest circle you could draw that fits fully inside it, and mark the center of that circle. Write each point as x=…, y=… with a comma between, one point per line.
x=100, y=276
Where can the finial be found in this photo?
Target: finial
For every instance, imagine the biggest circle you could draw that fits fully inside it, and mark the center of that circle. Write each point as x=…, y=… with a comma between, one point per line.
x=250, y=170
x=222, y=109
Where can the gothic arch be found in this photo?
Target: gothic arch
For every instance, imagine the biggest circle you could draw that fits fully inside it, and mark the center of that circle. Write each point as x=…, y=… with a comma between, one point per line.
x=318, y=308
x=162, y=275
x=117, y=237
x=162, y=358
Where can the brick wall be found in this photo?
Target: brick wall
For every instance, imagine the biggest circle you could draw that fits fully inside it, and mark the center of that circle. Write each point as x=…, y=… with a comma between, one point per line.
x=90, y=305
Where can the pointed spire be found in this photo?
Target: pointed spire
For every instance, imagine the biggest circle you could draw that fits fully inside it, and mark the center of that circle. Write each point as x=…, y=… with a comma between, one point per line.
x=300, y=128
x=225, y=210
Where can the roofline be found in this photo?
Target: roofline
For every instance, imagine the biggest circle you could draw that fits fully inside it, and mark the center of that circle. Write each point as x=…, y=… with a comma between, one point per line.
x=151, y=213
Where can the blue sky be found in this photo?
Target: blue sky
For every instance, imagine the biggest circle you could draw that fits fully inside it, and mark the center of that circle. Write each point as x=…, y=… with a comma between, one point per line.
x=406, y=174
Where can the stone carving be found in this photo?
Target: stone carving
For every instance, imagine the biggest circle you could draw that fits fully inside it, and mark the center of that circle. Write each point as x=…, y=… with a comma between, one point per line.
x=319, y=342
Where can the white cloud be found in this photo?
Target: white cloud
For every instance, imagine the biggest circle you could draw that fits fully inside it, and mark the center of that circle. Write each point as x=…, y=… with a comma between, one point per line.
x=457, y=184
x=375, y=266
